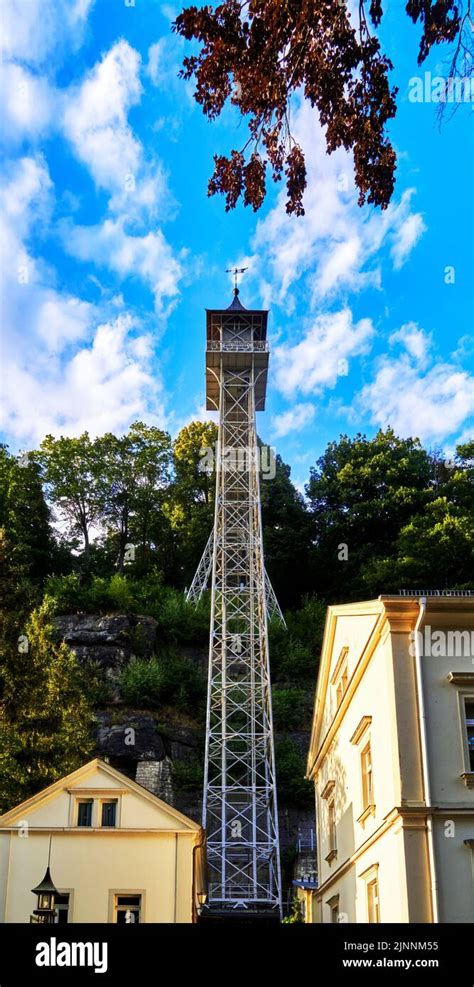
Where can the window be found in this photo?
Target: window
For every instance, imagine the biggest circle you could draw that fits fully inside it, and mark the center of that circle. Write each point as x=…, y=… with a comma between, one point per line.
x=469, y=721
x=109, y=813
x=95, y=807
x=328, y=795
x=332, y=825
x=340, y=676
x=84, y=812
x=341, y=685
x=367, y=777
x=373, y=909
x=334, y=908
x=61, y=905
x=127, y=908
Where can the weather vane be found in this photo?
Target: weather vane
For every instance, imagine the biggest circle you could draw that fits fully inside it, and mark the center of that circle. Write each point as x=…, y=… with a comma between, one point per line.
x=235, y=271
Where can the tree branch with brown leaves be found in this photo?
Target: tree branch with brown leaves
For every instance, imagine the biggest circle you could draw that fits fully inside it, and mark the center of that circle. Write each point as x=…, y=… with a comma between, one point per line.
x=257, y=55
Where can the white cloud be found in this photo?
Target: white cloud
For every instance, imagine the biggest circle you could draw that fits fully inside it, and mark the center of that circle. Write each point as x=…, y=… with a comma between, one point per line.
x=37, y=318
x=95, y=118
x=294, y=418
x=28, y=102
x=149, y=257
x=334, y=246
x=34, y=30
x=25, y=200
x=432, y=405
x=71, y=365
x=163, y=61
x=321, y=356
x=104, y=386
x=405, y=238
x=415, y=341
x=61, y=319
x=61, y=371
x=465, y=348
x=95, y=121
x=25, y=192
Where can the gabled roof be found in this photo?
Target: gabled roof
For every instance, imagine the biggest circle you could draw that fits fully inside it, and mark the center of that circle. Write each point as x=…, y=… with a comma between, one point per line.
x=397, y=610
x=18, y=812
x=342, y=610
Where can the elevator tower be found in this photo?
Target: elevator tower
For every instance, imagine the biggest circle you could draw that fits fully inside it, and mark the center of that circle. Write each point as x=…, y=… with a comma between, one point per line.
x=240, y=805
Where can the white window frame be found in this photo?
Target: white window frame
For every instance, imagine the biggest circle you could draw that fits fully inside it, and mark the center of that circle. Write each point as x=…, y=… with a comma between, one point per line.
x=97, y=797
x=370, y=877
x=115, y=893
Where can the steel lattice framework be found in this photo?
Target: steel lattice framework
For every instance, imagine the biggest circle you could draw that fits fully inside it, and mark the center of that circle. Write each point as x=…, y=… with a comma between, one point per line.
x=203, y=575
x=240, y=806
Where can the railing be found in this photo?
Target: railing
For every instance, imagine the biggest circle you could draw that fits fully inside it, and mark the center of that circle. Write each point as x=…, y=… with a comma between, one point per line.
x=239, y=346
x=436, y=592
x=306, y=841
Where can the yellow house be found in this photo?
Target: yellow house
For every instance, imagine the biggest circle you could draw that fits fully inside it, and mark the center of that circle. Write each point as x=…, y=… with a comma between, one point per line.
x=118, y=853
x=392, y=760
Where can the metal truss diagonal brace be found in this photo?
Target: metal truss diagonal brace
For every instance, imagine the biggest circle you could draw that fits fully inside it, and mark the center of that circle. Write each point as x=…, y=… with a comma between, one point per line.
x=201, y=582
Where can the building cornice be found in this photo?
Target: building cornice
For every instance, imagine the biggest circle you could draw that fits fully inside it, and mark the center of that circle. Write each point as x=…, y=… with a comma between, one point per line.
x=360, y=729
x=461, y=678
x=410, y=818
x=363, y=661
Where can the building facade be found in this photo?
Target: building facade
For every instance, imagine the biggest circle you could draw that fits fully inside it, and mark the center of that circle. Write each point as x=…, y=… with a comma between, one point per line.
x=392, y=761
x=117, y=852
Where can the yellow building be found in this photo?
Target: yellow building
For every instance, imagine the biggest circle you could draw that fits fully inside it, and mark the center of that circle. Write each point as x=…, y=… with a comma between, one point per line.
x=392, y=760
x=118, y=853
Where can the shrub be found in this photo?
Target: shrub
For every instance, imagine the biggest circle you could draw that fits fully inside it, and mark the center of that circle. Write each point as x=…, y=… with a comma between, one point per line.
x=290, y=773
x=120, y=594
x=296, y=913
x=288, y=708
x=189, y=775
x=178, y=621
x=169, y=680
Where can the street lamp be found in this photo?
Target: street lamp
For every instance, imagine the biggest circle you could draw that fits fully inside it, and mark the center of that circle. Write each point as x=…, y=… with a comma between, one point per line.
x=46, y=891
x=202, y=899
x=45, y=912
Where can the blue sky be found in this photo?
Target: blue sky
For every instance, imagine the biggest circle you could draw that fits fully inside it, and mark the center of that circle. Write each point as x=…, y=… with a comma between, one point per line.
x=112, y=250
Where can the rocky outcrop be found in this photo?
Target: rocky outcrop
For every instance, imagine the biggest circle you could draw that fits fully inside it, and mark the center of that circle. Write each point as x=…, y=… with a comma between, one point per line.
x=135, y=735
x=110, y=642
x=148, y=747
x=137, y=742
x=126, y=633
x=148, y=750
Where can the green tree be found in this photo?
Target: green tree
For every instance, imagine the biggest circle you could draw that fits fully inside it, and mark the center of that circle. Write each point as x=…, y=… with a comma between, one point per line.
x=362, y=493
x=435, y=550
x=290, y=758
x=45, y=715
x=190, y=504
x=167, y=680
x=287, y=535
x=194, y=472
x=136, y=470
x=24, y=514
x=74, y=479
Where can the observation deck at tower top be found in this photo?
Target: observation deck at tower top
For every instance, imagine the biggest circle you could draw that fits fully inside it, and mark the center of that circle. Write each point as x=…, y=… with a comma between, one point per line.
x=236, y=339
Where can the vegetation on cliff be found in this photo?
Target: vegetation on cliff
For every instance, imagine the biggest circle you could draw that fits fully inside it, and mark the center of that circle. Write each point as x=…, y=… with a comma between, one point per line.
x=117, y=526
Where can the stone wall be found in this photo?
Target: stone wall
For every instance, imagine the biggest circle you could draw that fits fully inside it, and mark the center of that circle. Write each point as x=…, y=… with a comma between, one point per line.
x=143, y=744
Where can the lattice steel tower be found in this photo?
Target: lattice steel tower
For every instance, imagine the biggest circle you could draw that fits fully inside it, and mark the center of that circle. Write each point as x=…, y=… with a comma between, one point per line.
x=240, y=805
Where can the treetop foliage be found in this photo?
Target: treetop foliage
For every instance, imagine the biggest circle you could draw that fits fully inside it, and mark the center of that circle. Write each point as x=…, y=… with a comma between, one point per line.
x=258, y=54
